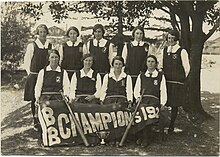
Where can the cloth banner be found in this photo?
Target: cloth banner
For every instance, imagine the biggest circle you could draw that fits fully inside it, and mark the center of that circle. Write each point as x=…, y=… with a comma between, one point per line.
x=58, y=127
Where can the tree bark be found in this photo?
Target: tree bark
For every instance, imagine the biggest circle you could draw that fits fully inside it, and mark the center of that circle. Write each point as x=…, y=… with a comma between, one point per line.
x=185, y=31
x=193, y=104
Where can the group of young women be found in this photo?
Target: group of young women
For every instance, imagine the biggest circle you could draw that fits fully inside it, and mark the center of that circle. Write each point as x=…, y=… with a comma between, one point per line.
x=93, y=73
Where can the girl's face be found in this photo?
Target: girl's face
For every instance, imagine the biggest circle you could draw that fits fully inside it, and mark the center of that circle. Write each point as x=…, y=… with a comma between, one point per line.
x=117, y=65
x=54, y=59
x=42, y=32
x=170, y=39
x=138, y=35
x=151, y=64
x=98, y=34
x=88, y=62
x=73, y=35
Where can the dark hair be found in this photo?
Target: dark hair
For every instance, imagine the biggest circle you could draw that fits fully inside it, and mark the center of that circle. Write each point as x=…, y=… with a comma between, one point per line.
x=72, y=28
x=136, y=28
x=87, y=55
x=97, y=26
x=54, y=51
x=144, y=66
x=120, y=58
x=152, y=56
x=42, y=26
x=173, y=33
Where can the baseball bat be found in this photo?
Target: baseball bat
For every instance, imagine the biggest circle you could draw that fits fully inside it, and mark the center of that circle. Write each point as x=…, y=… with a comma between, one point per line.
x=85, y=141
x=131, y=120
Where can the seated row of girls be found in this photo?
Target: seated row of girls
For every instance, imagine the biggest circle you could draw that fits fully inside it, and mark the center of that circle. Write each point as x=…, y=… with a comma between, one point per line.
x=85, y=83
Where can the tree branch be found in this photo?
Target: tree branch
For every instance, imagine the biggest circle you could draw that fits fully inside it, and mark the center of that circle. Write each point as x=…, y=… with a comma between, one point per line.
x=211, y=31
x=174, y=22
x=166, y=11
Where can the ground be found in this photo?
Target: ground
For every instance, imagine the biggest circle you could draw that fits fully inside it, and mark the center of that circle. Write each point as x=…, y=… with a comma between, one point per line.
x=19, y=138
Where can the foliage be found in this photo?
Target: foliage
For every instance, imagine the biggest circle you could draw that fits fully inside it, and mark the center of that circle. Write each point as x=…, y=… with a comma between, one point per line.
x=122, y=13
x=14, y=35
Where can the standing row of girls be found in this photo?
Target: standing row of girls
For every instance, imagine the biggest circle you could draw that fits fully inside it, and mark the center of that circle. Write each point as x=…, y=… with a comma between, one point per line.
x=87, y=66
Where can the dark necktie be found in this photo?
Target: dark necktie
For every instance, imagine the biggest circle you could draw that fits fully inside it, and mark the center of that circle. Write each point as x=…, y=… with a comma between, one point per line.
x=138, y=44
x=98, y=43
x=150, y=74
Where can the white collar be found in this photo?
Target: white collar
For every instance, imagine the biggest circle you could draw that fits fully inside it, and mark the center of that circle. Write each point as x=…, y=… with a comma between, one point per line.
x=102, y=42
x=70, y=43
x=48, y=68
x=135, y=43
x=121, y=76
x=40, y=45
x=89, y=74
x=173, y=49
x=154, y=73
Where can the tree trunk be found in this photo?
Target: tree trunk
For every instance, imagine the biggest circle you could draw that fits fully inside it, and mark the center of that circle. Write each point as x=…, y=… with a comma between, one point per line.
x=194, y=105
x=185, y=31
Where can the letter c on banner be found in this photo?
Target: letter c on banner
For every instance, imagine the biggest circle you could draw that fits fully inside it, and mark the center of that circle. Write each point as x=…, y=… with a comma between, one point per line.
x=61, y=128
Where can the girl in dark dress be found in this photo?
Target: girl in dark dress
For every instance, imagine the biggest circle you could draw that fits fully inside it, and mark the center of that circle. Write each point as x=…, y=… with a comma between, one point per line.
x=176, y=67
x=134, y=54
x=71, y=52
x=35, y=59
x=155, y=94
x=101, y=49
x=117, y=88
x=86, y=83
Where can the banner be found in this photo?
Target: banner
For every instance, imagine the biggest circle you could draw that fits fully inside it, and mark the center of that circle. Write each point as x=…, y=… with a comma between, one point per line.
x=58, y=127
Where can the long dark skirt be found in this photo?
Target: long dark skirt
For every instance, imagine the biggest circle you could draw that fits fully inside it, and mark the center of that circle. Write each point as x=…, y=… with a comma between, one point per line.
x=175, y=94
x=29, y=87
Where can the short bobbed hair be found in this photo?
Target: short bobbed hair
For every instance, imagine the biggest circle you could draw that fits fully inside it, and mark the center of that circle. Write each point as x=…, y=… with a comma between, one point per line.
x=99, y=26
x=138, y=28
x=120, y=58
x=72, y=28
x=42, y=26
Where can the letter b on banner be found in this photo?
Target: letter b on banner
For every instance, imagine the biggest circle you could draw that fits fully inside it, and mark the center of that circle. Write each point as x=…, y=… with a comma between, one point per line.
x=48, y=116
x=53, y=136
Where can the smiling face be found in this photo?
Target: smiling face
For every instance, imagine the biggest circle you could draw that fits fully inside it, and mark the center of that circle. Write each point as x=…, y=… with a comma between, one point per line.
x=151, y=63
x=54, y=59
x=138, y=35
x=42, y=32
x=117, y=65
x=87, y=62
x=73, y=35
x=98, y=34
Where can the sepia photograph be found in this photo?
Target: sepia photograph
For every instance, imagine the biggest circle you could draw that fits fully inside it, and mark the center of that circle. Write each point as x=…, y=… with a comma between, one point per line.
x=110, y=78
